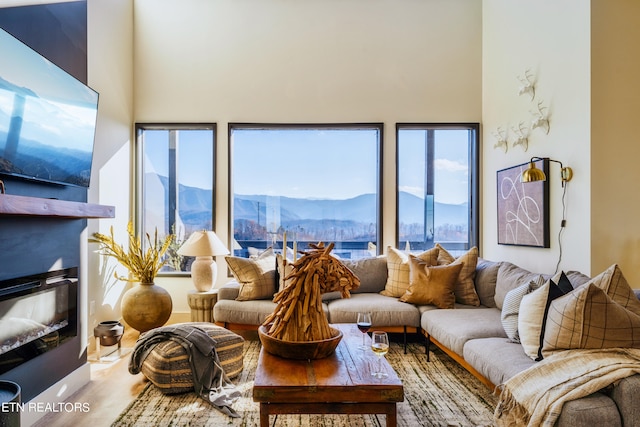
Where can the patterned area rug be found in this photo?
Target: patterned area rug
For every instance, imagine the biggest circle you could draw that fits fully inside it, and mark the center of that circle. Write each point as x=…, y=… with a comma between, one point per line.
x=437, y=393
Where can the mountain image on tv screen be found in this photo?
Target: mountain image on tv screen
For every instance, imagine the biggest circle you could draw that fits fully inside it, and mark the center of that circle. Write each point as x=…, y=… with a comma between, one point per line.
x=47, y=118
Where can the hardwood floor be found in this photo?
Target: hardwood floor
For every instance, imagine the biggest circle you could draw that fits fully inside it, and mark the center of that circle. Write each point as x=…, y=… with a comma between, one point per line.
x=110, y=390
x=108, y=393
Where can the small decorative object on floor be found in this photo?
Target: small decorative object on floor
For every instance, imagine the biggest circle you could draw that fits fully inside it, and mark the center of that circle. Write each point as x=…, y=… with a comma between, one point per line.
x=108, y=333
x=147, y=305
x=298, y=318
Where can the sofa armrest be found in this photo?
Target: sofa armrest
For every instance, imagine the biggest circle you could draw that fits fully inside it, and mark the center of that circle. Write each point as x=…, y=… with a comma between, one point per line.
x=626, y=394
x=229, y=290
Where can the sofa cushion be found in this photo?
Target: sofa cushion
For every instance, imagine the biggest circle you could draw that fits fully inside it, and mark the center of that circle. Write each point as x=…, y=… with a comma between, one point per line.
x=497, y=359
x=398, y=270
x=257, y=276
x=431, y=284
x=511, y=307
x=589, y=318
x=385, y=311
x=372, y=272
x=533, y=314
x=509, y=277
x=486, y=277
x=252, y=312
x=454, y=327
x=465, y=288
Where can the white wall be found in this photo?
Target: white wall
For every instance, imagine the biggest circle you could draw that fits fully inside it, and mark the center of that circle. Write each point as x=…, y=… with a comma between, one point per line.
x=314, y=61
x=110, y=72
x=552, y=39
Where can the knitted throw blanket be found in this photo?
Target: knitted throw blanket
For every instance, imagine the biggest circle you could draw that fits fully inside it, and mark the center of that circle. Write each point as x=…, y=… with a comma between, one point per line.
x=535, y=396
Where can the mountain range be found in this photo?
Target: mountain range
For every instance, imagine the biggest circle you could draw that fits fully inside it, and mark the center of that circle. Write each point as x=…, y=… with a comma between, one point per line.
x=196, y=205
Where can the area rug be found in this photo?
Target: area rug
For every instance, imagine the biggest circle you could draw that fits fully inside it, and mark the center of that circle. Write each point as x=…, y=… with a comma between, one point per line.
x=437, y=393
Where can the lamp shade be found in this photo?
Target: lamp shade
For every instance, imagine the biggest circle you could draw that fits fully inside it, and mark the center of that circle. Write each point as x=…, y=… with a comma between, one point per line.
x=203, y=243
x=532, y=173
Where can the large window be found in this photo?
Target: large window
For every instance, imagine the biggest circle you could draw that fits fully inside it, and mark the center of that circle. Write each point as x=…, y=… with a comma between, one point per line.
x=175, y=183
x=316, y=183
x=437, y=186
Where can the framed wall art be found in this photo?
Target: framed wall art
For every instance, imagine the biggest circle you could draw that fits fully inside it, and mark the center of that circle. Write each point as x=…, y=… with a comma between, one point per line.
x=523, y=207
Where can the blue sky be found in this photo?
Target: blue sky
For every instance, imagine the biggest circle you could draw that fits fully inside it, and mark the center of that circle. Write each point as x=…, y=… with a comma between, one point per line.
x=328, y=163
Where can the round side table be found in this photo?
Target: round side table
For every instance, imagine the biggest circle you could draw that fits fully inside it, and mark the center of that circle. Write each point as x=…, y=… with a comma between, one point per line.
x=201, y=304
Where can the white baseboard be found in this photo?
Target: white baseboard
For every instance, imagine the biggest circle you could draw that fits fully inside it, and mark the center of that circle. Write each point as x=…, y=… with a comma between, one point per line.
x=51, y=400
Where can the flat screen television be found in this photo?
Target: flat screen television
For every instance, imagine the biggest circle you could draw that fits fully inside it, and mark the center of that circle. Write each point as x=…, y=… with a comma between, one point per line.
x=47, y=118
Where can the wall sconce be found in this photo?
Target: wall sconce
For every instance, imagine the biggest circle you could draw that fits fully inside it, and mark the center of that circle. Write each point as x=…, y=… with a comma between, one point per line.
x=532, y=173
x=203, y=245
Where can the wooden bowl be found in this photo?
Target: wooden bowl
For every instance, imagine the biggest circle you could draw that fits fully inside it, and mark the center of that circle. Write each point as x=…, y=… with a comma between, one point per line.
x=301, y=350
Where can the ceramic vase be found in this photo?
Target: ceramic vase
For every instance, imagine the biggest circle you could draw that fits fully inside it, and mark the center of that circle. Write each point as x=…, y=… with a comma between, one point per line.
x=146, y=306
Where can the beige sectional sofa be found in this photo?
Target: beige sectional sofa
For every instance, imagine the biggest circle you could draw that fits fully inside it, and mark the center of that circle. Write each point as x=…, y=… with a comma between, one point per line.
x=474, y=335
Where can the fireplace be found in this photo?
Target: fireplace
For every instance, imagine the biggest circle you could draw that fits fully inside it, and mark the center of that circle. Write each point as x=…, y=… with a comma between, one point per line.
x=38, y=314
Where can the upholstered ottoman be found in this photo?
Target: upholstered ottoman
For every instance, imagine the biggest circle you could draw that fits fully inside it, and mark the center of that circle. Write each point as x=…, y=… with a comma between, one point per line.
x=168, y=367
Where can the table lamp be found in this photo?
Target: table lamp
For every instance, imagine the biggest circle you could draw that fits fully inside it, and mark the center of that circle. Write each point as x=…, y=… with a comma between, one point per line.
x=203, y=245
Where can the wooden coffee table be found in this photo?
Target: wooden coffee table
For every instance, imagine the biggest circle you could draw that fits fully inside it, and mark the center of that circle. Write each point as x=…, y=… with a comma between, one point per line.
x=339, y=384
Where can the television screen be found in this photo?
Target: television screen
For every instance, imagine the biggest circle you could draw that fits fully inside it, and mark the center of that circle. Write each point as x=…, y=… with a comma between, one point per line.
x=47, y=118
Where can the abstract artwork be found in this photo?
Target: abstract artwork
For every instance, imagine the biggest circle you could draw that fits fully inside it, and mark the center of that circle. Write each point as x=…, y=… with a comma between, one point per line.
x=523, y=207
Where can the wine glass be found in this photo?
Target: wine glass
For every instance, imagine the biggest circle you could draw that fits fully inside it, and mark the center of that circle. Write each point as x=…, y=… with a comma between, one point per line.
x=364, y=324
x=380, y=346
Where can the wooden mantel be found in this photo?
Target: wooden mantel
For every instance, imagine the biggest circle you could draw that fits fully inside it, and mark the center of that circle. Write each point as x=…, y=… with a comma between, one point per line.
x=36, y=206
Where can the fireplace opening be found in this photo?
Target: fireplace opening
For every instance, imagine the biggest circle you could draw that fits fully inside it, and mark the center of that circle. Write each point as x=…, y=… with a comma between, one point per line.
x=38, y=313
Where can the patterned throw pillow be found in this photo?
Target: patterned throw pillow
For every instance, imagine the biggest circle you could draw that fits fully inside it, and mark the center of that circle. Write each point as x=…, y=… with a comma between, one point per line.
x=257, y=276
x=511, y=307
x=431, y=284
x=398, y=270
x=613, y=282
x=588, y=318
x=533, y=314
x=465, y=288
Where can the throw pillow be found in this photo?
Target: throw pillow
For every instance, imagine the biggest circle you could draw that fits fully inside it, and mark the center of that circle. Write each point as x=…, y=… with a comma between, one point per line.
x=431, y=284
x=398, y=270
x=257, y=276
x=511, y=276
x=588, y=318
x=486, y=278
x=533, y=314
x=465, y=288
x=613, y=282
x=372, y=272
x=511, y=307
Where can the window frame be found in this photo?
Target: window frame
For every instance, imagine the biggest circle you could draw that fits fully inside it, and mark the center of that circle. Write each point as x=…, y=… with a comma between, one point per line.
x=139, y=174
x=379, y=126
x=474, y=174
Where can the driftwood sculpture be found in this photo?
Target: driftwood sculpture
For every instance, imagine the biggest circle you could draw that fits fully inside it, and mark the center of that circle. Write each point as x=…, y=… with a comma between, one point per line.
x=298, y=315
